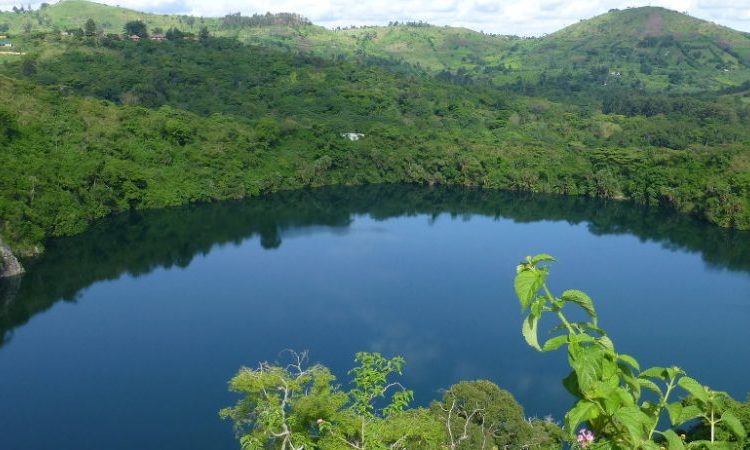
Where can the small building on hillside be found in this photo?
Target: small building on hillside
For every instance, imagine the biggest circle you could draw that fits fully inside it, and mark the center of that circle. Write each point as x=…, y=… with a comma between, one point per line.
x=134, y=37
x=352, y=136
x=6, y=44
x=3, y=36
x=158, y=37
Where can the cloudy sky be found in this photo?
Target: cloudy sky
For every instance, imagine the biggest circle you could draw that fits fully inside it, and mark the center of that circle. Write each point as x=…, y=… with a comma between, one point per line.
x=522, y=17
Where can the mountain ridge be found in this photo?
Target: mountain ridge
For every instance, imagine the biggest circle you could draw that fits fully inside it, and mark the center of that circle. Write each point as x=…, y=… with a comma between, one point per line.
x=649, y=48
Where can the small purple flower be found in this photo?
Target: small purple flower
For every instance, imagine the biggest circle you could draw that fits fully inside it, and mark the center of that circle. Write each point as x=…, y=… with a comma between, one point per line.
x=585, y=438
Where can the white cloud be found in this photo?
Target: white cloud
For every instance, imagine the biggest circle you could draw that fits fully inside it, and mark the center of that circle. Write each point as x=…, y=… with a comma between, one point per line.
x=522, y=17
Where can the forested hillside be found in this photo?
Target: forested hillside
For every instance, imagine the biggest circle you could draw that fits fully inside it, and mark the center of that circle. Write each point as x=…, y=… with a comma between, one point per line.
x=93, y=123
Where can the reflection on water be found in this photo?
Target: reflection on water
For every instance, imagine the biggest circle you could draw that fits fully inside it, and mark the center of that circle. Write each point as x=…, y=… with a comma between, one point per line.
x=138, y=243
x=168, y=304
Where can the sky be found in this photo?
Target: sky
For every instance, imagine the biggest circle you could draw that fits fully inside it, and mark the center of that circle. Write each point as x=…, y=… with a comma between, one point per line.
x=519, y=17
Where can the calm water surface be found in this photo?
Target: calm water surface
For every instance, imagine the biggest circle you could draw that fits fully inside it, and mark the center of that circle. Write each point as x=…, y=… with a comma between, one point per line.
x=124, y=337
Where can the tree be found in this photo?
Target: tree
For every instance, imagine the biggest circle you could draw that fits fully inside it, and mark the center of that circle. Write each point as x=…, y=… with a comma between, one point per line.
x=478, y=414
x=174, y=34
x=203, y=34
x=90, y=27
x=28, y=67
x=8, y=126
x=136, y=28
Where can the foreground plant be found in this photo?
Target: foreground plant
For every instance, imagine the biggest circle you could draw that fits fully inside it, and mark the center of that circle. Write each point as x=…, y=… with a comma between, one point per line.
x=300, y=407
x=622, y=406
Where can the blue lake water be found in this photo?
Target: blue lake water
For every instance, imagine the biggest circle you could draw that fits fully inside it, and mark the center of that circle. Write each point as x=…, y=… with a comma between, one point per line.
x=124, y=337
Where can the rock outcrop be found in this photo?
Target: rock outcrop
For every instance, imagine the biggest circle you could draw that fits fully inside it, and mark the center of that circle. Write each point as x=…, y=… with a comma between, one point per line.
x=9, y=265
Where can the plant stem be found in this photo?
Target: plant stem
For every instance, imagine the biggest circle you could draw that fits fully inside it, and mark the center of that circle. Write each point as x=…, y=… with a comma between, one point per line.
x=662, y=404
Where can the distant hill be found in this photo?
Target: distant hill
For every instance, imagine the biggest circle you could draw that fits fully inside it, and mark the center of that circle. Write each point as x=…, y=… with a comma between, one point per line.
x=653, y=46
x=643, y=48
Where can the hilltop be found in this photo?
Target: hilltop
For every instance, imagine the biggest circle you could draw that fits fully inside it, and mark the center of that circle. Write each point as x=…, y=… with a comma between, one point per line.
x=647, y=48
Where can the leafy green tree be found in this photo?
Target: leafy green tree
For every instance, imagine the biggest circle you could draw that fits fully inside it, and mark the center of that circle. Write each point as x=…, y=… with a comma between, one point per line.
x=28, y=67
x=203, y=34
x=300, y=407
x=478, y=414
x=136, y=28
x=89, y=27
x=8, y=126
x=174, y=34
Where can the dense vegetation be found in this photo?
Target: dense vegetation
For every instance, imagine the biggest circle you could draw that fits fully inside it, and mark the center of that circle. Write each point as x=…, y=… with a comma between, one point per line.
x=617, y=405
x=92, y=123
x=299, y=407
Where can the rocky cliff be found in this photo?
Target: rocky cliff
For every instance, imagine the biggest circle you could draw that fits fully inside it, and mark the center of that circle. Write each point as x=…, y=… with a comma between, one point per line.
x=9, y=265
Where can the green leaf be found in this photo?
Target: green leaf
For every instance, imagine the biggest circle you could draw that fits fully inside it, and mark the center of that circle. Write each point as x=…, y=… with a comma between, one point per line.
x=674, y=410
x=583, y=411
x=571, y=384
x=527, y=284
x=635, y=421
x=650, y=385
x=581, y=299
x=654, y=372
x=674, y=372
x=734, y=424
x=606, y=342
x=588, y=366
x=529, y=330
x=694, y=388
x=542, y=257
x=630, y=360
x=537, y=307
x=630, y=380
x=555, y=343
x=689, y=412
x=673, y=441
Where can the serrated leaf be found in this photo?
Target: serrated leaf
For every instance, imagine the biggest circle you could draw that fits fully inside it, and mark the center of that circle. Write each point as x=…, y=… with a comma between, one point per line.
x=571, y=384
x=529, y=330
x=635, y=421
x=654, y=372
x=581, y=299
x=527, y=284
x=630, y=380
x=650, y=385
x=583, y=411
x=555, y=343
x=542, y=257
x=588, y=366
x=673, y=440
x=734, y=424
x=674, y=410
x=694, y=388
x=674, y=372
x=689, y=412
x=606, y=342
x=630, y=360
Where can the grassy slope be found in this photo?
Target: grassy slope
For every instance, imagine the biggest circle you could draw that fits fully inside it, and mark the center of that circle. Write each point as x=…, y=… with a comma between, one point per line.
x=706, y=55
x=700, y=54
